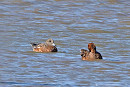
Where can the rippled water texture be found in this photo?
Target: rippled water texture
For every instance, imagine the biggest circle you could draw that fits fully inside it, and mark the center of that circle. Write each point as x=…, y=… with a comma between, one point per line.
x=72, y=24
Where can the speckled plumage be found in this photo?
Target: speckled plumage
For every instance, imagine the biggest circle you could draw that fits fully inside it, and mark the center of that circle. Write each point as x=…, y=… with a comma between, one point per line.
x=92, y=54
x=48, y=46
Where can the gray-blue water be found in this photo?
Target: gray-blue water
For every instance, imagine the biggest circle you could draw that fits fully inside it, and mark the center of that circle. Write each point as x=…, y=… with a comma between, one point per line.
x=72, y=24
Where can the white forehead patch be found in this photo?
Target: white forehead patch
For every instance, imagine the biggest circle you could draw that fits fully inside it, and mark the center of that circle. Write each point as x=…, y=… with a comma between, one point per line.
x=53, y=44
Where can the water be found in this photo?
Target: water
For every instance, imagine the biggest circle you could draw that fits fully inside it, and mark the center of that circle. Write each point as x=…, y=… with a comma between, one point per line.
x=72, y=24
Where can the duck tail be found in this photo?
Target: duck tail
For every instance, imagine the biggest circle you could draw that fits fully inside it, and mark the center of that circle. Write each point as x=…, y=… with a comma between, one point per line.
x=34, y=45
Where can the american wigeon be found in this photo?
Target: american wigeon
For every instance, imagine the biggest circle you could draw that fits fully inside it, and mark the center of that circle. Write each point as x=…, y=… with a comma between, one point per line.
x=48, y=46
x=92, y=54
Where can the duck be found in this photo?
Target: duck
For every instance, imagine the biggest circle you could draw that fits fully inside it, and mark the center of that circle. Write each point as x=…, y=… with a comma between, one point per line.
x=91, y=53
x=48, y=46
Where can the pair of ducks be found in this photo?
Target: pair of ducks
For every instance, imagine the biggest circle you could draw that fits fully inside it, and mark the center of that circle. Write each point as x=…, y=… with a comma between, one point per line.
x=49, y=46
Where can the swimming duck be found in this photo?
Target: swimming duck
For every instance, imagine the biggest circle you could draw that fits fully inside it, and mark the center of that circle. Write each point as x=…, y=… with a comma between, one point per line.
x=48, y=46
x=92, y=54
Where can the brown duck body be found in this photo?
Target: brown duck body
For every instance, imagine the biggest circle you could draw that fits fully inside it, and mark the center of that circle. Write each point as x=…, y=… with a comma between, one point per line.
x=92, y=54
x=49, y=46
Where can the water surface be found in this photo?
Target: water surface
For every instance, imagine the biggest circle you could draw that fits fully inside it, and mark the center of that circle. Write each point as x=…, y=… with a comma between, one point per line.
x=72, y=24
